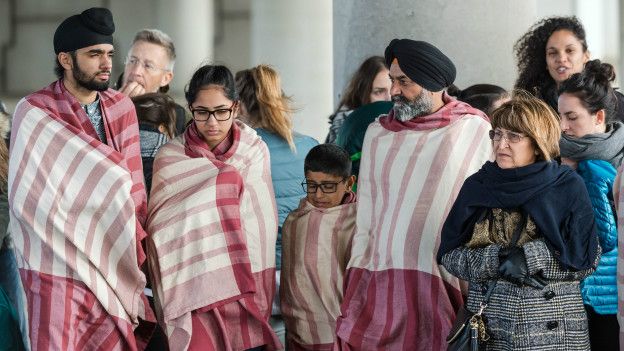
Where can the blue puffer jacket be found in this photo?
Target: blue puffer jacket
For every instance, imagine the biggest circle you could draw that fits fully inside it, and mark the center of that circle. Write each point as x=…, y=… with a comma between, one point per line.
x=287, y=175
x=600, y=289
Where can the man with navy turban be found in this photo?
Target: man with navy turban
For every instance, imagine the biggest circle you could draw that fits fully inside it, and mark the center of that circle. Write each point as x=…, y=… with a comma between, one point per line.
x=78, y=202
x=414, y=161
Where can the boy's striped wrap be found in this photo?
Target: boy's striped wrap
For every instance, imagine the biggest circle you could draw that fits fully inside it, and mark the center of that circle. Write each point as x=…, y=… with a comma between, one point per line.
x=316, y=249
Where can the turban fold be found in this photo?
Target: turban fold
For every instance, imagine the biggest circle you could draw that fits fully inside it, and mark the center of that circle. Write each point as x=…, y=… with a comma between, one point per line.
x=422, y=62
x=91, y=27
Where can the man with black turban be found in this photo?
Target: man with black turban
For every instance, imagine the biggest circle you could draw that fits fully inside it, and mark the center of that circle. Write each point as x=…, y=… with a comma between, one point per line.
x=414, y=161
x=77, y=199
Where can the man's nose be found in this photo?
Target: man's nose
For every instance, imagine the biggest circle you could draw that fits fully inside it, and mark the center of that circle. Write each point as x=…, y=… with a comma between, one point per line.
x=394, y=89
x=136, y=68
x=107, y=62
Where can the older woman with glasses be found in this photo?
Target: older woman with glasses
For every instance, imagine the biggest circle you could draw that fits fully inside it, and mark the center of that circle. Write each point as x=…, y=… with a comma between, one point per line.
x=213, y=224
x=522, y=233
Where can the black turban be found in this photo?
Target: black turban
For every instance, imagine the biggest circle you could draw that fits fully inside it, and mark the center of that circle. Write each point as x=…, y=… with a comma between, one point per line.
x=422, y=62
x=91, y=27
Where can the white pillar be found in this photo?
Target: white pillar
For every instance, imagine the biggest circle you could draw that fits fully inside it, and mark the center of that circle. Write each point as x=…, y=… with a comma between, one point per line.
x=190, y=23
x=601, y=20
x=295, y=37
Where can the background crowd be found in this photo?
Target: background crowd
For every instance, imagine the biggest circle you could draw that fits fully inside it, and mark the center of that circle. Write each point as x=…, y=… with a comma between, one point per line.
x=133, y=222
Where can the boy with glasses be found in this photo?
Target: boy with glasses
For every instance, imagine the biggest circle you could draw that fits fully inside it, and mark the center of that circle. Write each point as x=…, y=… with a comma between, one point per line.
x=316, y=246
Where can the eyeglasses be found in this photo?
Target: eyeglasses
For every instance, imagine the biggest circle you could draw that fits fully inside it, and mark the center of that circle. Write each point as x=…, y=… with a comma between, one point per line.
x=497, y=135
x=148, y=66
x=326, y=187
x=221, y=115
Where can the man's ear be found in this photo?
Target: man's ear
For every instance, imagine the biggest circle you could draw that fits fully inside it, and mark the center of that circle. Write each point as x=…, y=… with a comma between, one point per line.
x=65, y=59
x=166, y=79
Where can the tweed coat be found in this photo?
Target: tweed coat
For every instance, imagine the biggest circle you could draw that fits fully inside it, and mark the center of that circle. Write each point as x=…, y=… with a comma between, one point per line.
x=525, y=318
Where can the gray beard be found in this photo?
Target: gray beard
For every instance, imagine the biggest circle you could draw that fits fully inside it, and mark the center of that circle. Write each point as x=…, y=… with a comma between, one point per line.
x=404, y=110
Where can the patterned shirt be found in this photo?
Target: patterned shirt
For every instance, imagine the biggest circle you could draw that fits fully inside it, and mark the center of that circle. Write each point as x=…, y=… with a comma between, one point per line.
x=95, y=116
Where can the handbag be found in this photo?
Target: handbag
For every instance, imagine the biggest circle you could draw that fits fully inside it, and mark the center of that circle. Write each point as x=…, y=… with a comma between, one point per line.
x=468, y=332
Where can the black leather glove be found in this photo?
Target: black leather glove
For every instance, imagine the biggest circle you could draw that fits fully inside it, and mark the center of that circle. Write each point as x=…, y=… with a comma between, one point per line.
x=513, y=268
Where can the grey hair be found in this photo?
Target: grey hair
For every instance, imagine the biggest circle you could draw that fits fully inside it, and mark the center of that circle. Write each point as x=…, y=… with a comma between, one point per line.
x=160, y=38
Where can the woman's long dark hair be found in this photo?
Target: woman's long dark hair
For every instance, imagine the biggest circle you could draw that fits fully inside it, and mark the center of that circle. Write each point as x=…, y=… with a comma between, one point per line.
x=206, y=75
x=360, y=86
x=530, y=51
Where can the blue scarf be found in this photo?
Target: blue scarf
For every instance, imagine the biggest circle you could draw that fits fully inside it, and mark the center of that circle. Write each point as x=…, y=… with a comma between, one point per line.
x=554, y=196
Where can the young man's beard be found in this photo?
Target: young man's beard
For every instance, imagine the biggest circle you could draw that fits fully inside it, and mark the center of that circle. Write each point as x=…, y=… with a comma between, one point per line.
x=404, y=110
x=86, y=81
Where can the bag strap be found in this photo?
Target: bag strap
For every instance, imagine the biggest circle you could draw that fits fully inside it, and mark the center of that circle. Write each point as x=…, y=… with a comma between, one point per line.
x=518, y=230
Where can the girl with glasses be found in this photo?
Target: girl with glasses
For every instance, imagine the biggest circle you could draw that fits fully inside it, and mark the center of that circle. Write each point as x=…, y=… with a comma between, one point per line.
x=213, y=226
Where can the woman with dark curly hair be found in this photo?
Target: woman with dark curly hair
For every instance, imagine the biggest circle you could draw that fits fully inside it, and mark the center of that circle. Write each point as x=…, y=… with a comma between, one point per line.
x=550, y=52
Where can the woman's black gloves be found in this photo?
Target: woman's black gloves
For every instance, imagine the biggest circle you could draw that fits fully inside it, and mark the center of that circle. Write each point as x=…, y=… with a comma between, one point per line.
x=513, y=268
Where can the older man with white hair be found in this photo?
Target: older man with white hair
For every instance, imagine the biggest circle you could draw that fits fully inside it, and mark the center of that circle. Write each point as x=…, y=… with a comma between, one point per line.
x=149, y=68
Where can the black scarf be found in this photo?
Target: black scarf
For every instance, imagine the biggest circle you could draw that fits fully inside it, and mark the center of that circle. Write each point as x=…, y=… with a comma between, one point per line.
x=553, y=195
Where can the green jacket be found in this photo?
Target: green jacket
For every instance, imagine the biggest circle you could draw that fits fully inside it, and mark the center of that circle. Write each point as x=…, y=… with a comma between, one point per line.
x=351, y=135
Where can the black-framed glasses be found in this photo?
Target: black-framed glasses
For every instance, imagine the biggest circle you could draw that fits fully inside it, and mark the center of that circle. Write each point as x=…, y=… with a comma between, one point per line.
x=326, y=187
x=221, y=115
x=497, y=135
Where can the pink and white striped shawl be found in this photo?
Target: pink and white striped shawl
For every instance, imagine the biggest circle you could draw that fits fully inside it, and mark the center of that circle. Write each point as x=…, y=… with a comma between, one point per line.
x=316, y=244
x=397, y=297
x=213, y=226
x=76, y=207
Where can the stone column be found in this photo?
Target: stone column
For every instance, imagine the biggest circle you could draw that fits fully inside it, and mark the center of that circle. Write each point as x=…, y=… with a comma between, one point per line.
x=190, y=23
x=477, y=35
x=295, y=37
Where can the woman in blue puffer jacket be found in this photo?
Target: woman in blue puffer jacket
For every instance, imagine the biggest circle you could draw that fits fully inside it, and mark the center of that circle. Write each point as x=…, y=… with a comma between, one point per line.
x=593, y=144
